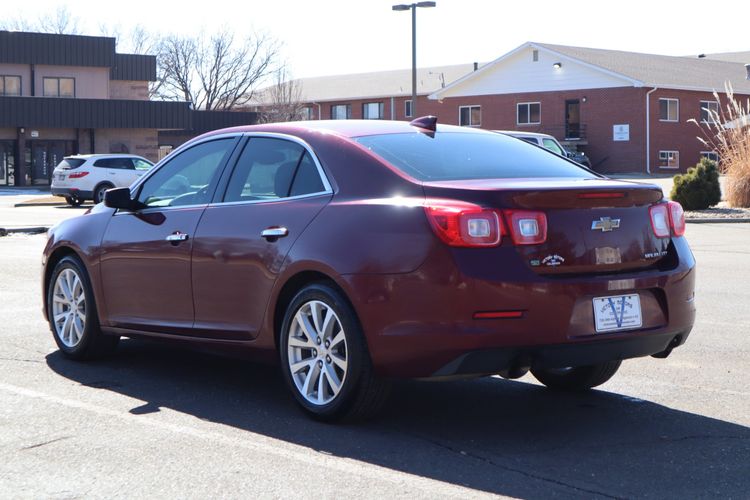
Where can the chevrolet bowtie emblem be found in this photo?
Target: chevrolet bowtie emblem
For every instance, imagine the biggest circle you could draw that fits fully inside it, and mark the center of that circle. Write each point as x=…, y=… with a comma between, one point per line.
x=605, y=224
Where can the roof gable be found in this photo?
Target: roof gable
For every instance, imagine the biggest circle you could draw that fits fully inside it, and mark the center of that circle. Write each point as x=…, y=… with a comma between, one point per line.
x=518, y=71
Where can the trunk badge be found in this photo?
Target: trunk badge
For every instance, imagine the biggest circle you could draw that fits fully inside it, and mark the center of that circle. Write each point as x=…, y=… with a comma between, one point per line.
x=605, y=224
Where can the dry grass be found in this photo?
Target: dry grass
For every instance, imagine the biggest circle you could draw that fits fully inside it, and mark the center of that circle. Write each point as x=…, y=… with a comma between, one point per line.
x=728, y=133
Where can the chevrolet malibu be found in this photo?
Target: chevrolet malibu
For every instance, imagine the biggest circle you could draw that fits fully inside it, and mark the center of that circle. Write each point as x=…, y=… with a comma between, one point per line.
x=355, y=252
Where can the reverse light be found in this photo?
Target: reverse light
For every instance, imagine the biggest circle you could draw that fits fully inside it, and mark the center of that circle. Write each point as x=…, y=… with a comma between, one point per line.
x=462, y=224
x=667, y=219
x=77, y=175
x=527, y=227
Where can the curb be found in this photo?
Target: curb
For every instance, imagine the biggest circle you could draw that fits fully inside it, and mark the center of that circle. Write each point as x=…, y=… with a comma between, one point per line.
x=51, y=204
x=717, y=220
x=5, y=231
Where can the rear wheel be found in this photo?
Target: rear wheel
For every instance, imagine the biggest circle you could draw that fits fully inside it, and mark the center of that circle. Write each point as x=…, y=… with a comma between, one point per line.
x=324, y=357
x=576, y=378
x=100, y=190
x=73, y=201
x=72, y=313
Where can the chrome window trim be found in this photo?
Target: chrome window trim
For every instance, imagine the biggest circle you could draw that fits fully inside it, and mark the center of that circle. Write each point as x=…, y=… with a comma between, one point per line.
x=273, y=200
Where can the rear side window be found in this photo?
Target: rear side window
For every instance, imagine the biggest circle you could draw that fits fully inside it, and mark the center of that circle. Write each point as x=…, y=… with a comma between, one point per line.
x=117, y=163
x=270, y=169
x=71, y=163
x=455, y=156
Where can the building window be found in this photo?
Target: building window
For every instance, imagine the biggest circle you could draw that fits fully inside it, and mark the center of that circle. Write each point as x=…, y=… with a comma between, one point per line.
x=709, y=110
x=341, y=111
x=669, y=110
x=10, y=85
x=470, y=116
x=529, y=113
x=669, y=159
x=372, y=111
x=59, y=87
x=407, y=108
x=535, y=55
x=307, y=113
x=711, y=155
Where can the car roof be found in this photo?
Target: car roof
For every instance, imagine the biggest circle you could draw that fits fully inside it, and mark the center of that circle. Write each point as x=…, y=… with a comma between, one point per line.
x=521, y=133
x=343, y=128
x=102, y=155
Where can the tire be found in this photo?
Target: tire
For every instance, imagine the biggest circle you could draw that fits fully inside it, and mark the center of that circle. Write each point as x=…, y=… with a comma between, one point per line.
x=99, y=191
x=578, y=378
x=337, y=355
x=73, y=201
x=71, y=310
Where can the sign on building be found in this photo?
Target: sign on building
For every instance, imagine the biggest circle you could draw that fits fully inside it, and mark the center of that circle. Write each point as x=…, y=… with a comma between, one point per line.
x=621, y=132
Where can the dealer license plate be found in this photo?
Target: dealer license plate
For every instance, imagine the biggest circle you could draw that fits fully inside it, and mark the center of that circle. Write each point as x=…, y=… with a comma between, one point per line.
x=60, y=177
x=620, y=312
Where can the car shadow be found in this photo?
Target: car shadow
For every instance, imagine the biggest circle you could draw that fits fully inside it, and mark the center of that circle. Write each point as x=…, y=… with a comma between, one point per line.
x=504, y=437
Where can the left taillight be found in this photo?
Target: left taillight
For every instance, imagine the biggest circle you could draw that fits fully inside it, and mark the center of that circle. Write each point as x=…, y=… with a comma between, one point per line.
x=77, y=175
x=462, y=224
x=667, y=219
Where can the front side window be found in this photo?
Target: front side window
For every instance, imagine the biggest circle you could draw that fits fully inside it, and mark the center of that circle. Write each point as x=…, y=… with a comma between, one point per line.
x=669, y=159
x=669, y=110
x=709, y=111
x=341, y=111
x=186, y=178
x=529, y=113
x=59, y=87
x=270, y=169
x=462, y=155
x=470, y=116
x=10, y=85
x=372, y=111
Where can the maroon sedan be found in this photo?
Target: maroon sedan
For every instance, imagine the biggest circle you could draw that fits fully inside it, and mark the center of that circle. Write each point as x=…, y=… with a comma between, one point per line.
x=358, y=251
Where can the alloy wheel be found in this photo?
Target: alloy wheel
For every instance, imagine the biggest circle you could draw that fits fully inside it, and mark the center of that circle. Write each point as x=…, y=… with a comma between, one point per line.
x=69, y=307
x=317, y=352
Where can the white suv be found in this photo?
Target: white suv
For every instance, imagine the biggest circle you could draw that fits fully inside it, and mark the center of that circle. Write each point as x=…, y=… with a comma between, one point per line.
x=86, y=177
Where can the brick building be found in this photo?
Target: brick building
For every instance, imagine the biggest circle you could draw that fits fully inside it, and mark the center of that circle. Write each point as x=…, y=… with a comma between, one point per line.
x=628, y=112
x=66, y=94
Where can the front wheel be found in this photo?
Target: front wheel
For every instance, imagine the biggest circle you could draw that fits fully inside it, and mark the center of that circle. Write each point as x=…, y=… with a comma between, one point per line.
x=72, y=313
x=73, y=201
x=324, y=357
x=576, y=378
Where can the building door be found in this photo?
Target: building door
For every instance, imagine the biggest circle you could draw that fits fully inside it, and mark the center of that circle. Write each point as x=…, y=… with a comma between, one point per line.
x=45, y=155
x=573, y=119
x=7, y=162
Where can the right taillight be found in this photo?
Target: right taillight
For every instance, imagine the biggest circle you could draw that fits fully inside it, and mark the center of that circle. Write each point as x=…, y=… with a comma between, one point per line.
x=676, y=218
x=667, y=219
x=462, y=224
x=527, y=227
x=77, y=175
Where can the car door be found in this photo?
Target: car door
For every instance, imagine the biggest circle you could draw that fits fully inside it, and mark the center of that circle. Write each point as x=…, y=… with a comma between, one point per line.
x=274, y=191
x=145, y=261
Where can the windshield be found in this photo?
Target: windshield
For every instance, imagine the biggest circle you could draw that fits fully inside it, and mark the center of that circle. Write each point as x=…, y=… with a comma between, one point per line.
x=552, y=145
x=458, y=155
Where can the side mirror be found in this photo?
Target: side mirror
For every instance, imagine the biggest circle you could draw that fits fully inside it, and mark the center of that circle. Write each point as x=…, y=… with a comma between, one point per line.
x=119, y=198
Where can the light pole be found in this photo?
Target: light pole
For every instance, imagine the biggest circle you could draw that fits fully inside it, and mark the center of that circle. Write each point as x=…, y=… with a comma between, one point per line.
x=413, y=8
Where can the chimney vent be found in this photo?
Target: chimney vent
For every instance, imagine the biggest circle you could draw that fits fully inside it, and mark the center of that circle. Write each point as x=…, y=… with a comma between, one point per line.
x=747, y=70
x=476, y=66
x=701, y=56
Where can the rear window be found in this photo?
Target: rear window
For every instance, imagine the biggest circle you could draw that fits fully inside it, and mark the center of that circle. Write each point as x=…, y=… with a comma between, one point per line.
x=71, y=163
x=455, y=156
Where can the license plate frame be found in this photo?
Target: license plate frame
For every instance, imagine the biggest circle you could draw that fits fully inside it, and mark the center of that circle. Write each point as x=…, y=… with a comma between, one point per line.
x=616, y=313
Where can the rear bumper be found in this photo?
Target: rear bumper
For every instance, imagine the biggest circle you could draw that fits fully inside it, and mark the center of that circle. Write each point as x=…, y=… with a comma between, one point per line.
x=73, y=192
x=490, y=361
x=422, y=324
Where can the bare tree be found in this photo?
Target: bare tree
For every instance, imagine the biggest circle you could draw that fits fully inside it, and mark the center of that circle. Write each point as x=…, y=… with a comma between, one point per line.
x=62, y=22
x=282, y=101
x=217, y=73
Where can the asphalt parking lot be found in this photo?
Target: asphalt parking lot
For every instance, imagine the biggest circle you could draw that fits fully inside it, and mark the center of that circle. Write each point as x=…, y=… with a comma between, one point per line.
x=159, y=421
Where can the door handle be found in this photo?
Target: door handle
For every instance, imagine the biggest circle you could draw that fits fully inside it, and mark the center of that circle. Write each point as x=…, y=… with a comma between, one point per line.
x=274, y=233
x=177, y=237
